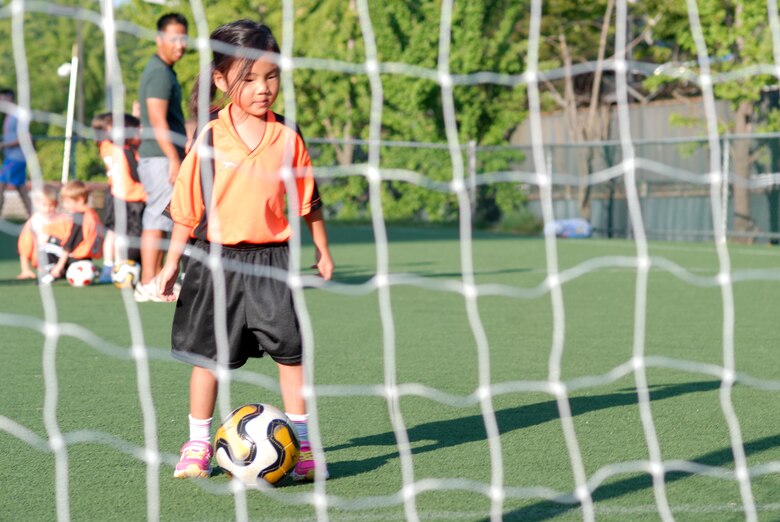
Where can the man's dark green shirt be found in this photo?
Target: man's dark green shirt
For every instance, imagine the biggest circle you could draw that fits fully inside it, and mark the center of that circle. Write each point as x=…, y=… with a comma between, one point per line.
x=159, y=81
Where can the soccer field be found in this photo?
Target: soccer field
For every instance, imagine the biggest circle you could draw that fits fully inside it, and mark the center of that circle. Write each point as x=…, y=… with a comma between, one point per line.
x=435, y=346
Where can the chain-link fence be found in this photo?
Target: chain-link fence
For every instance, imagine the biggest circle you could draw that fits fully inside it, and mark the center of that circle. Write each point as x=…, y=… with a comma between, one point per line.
x=673, y=177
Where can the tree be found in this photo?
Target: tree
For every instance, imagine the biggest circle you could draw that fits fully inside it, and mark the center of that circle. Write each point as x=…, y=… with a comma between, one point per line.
x=485, y=37
x=737, y=35
x=48, y=41
x=576, y=33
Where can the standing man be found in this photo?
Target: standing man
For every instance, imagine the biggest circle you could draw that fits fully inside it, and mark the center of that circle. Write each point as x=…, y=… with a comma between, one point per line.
x=160, y=100
x=14, y=169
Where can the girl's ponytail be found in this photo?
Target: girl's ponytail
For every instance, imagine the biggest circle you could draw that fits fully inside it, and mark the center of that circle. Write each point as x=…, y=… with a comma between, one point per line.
x=194, y=97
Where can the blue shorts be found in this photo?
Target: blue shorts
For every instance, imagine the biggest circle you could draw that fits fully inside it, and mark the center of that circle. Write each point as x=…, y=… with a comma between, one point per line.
x=13, y=173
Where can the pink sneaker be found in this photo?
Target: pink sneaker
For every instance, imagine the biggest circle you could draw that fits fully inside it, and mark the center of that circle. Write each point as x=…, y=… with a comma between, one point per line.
x=304, y=470
x=195, y=461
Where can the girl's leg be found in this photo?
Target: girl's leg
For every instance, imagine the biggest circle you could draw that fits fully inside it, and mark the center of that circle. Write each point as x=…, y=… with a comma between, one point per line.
x=196, y=452
x=291, y=383
x=203, y=393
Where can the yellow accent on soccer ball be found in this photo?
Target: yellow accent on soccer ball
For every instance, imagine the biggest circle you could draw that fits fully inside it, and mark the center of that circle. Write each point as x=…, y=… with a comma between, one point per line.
x=257, y=443
x=126, y=274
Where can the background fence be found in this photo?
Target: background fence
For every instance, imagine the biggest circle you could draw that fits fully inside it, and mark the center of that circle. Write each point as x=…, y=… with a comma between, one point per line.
x=672, y=179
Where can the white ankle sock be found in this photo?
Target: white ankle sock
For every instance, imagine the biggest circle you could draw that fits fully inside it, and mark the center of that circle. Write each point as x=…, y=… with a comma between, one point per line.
x=200, y=429
x=301, y=427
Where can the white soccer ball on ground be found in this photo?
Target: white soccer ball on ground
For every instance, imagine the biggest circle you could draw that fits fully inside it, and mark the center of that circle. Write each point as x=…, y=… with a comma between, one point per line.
x=81, y=273
x=257, y=442
x=126, y=274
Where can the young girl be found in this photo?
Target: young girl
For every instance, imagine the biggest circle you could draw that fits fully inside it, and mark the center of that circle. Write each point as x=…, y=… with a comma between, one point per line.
x=236, y=199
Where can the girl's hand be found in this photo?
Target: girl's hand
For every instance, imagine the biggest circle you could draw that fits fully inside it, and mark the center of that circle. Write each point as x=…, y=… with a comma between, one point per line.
x=165, y=280
x=324, y=265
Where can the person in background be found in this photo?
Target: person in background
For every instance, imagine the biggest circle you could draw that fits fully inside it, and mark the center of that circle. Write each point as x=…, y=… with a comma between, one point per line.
x=160, y=100
x=14, y=169
x=126, y=198
x=83, y=231
x=33, y=235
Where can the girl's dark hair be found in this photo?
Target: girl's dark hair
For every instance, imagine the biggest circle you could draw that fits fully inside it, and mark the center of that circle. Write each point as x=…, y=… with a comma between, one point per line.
x=241, y=34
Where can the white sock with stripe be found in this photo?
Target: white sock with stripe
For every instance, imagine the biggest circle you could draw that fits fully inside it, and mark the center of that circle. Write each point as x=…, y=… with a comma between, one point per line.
x=302, y=428
x=200, y=429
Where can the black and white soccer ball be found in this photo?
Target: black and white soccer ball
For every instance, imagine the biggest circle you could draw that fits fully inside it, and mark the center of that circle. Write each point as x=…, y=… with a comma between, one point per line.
x=126, y=274
x=257, y=442
x=81, y=273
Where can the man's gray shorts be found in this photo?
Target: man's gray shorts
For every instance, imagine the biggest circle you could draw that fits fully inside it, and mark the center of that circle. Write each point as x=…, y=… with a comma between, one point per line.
x=154, y=177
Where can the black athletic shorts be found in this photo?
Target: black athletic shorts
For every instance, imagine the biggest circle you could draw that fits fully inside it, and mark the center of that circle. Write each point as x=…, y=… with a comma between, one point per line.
x=260, y=314
x=134, y=211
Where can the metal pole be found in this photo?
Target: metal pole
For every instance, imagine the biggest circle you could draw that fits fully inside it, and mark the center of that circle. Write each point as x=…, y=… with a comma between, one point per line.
x=471, y=152
x=725, y=186
x=68, y=149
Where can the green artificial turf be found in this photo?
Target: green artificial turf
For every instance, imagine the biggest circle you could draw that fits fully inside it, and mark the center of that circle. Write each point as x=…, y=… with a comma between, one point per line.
x=434, y=344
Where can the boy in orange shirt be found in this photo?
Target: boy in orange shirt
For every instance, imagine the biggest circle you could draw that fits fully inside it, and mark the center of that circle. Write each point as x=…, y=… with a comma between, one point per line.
x=83, y=232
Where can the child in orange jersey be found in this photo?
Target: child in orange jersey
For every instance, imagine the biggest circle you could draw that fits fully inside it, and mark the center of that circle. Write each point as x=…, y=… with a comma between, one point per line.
x=83, y=231
x=237, y=199
x=33, y=236
x=126, y=199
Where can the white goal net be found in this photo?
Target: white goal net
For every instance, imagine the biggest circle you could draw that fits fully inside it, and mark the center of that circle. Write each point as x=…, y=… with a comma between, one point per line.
x=500, y=486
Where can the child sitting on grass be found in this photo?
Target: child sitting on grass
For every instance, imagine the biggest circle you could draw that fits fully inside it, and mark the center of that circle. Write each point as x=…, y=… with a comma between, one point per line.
x=33, y=235
x=83, y=231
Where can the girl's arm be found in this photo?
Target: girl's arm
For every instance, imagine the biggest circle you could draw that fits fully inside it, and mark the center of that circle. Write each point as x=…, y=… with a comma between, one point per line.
x=179, y=236
x=319, y=235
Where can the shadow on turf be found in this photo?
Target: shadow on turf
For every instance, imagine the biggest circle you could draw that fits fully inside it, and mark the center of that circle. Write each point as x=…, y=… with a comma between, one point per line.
x=544, y=510
x=18, y=282
x=453, y=432
x=358, y=275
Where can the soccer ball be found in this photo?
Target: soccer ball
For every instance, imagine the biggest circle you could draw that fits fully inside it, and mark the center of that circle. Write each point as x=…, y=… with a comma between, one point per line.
x=126, y=274
x=257, y=442
x=81, y=273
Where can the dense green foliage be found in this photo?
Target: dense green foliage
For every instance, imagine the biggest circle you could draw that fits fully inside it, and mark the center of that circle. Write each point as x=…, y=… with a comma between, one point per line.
x=335, y=104
x=329, y=104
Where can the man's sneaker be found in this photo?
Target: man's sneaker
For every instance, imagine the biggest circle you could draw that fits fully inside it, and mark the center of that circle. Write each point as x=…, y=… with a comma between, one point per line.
x=195, y=461
x=304, y=470
x=147, y=292
x=105, y=274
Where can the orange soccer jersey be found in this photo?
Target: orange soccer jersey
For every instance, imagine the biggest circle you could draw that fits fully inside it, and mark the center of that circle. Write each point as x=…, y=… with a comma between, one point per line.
x=27, y=245
x=247, y=202
x=82, y=233
x=122, y=166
